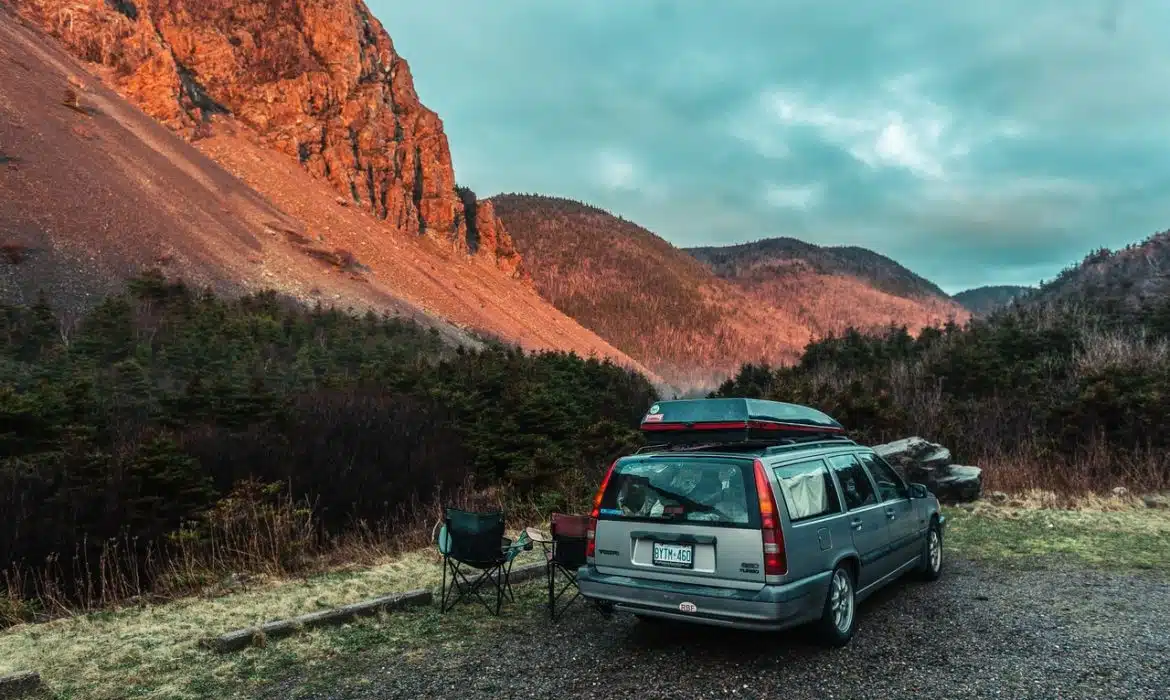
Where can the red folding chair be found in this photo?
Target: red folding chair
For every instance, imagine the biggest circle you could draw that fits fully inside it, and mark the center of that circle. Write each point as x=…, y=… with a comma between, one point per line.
x=565, y=555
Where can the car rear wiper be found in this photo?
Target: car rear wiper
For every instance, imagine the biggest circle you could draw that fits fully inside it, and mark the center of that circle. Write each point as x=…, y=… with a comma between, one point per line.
x=687, y=503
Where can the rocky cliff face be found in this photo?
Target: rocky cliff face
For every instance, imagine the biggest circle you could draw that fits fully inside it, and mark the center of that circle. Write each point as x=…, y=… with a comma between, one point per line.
x=319, y=81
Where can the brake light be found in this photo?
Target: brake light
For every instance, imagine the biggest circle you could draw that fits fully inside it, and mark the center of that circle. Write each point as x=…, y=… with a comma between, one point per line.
x=775, y=561
x=591, y=532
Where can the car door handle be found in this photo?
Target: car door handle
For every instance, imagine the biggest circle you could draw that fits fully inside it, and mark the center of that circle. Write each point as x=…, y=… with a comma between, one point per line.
x=890, y=513
x=856, y=523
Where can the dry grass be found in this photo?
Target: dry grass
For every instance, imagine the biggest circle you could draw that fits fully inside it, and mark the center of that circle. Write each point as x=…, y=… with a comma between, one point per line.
x=1041, y=499
x=254, y=536
x=152, y=651
x=1114, y=350
x=1094, y=469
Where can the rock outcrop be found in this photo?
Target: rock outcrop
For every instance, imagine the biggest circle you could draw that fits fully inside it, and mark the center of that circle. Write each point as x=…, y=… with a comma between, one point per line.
x=927, y=463
x=321, y=82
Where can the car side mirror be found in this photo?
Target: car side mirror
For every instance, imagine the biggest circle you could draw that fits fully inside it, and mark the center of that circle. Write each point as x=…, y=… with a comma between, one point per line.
x=918, y=491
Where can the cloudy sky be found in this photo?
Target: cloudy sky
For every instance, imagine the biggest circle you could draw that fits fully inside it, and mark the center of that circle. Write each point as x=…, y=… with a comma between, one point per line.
x=977, y=143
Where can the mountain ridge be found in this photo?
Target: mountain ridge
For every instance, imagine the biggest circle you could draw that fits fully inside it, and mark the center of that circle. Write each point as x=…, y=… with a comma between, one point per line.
x=641, y=293
x=1129, y=278
x=662, y=305
x=882, y=272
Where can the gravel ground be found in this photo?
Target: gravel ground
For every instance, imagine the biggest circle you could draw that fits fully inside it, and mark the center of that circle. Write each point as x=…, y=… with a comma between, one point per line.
x=980, y=632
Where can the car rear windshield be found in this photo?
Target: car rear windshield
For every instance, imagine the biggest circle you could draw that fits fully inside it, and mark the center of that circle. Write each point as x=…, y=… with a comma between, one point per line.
x=691, y=490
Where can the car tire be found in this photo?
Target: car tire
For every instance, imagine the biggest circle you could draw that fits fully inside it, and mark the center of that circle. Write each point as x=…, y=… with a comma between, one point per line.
x=932, y=555
x=839, y=617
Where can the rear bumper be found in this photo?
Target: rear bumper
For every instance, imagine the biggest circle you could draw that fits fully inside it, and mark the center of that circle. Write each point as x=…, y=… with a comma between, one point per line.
x=774, y=607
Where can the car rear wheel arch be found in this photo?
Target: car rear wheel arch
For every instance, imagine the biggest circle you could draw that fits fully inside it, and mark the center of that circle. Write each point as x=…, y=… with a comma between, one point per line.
x=852, y=564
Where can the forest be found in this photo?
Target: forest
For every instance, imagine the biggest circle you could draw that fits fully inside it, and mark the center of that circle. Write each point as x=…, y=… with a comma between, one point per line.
x=171, y=437
x=1065, y=397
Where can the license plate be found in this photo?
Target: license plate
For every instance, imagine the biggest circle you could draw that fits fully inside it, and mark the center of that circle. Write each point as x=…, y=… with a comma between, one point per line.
x=678, y=556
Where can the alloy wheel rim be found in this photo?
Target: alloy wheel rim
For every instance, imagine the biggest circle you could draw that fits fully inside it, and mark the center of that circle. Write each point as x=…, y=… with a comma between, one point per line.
x=841, y=602
x=935, y=551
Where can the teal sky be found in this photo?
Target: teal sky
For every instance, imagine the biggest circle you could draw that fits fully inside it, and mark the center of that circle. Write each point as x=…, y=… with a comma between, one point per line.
x=976, y=143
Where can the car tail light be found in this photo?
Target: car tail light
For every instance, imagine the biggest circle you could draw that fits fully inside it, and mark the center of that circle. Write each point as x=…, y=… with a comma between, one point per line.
x=591, y=533
x=775, y=561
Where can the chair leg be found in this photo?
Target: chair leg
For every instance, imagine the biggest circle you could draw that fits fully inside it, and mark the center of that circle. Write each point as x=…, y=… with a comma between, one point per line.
x=466, y=587
x=571, y=582
x=508, y=581
x=449, y=598
x=501, y=573
x=550, y=576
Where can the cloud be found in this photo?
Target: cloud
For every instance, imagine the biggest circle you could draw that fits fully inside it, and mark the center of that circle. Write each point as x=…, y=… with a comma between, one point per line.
x=895, y=128
x=974, y=142
x=793, y=196
x=616, y=171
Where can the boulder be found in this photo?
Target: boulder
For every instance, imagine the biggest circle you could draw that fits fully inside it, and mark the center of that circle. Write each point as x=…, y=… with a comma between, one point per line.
x=919, y=460
x=962, y=484
x=1156, y=501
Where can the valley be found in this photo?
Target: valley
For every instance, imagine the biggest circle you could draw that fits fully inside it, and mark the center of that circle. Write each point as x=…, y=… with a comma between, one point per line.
x=256, y=334
x=352, y=201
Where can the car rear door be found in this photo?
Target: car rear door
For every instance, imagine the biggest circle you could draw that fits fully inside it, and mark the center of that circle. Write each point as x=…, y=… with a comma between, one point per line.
x=682, y=518
x=906, y=527
x=817, y=528
x=866, y=517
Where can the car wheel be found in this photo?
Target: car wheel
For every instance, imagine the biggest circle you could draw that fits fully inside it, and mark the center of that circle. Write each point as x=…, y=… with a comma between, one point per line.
x=932, y=554
x=839, y=618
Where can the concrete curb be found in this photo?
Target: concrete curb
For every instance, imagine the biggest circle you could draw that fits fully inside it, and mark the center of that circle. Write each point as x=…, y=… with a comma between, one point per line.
x=18, y=684
x=527, y=572
x=239, y=639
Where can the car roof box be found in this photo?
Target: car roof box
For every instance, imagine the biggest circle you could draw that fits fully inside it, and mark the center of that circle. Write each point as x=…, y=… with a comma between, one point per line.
x=735, y=420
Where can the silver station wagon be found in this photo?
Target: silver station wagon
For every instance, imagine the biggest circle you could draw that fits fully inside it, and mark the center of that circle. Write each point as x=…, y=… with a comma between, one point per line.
x=756, y=515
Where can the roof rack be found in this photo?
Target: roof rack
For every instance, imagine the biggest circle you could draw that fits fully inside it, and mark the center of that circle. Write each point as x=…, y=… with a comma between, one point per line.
x=836, y=439
x=768, y=446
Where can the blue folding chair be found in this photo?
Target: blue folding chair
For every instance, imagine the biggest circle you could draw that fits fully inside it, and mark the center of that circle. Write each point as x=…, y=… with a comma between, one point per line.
x=476, y=556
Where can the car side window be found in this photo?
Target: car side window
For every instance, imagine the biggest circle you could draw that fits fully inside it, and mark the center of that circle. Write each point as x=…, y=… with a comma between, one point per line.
x=890, y=485
x=855, y=484
x=808, y=490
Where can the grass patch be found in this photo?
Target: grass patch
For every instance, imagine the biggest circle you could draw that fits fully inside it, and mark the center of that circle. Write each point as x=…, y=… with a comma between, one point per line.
x=153, y=651
x=1131, y=539
x=342, y=656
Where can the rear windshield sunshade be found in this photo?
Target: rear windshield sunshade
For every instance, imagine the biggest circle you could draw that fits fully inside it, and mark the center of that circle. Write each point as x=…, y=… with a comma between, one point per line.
x=718, y=492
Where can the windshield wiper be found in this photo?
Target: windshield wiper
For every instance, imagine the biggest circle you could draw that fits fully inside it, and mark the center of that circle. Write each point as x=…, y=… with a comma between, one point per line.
x=687, y=503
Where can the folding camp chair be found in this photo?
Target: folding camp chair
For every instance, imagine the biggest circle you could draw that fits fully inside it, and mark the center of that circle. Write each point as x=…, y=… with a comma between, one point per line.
x=474, y=543
x=565, y=553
